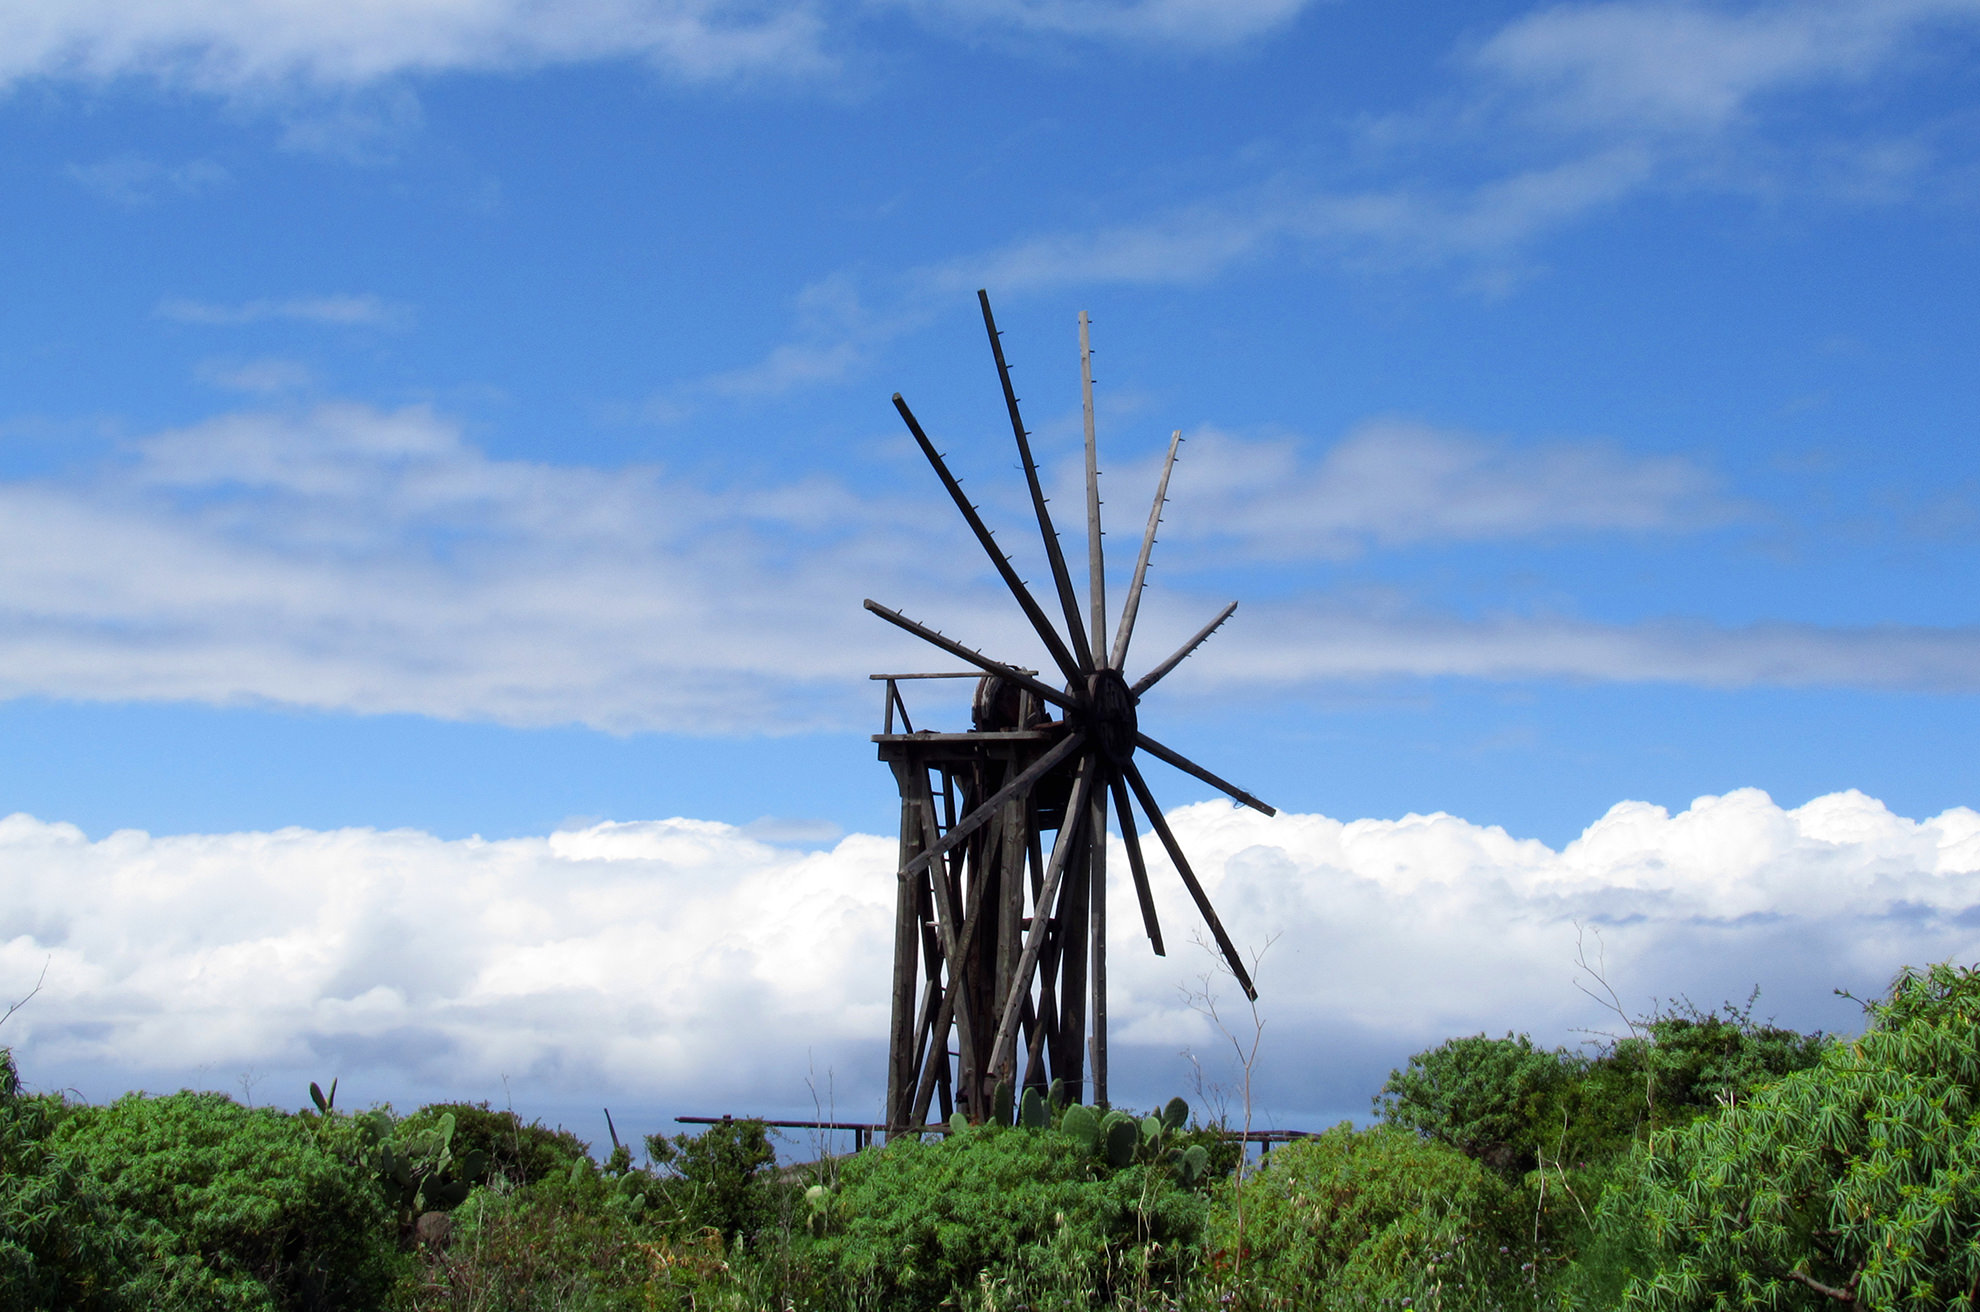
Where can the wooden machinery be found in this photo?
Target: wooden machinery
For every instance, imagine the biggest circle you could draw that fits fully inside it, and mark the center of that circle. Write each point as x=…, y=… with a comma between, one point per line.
x=1000, y=931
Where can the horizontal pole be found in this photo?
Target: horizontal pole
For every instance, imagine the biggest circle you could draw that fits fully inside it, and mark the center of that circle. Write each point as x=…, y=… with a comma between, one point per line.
x=950, y=674
x=943, y=1127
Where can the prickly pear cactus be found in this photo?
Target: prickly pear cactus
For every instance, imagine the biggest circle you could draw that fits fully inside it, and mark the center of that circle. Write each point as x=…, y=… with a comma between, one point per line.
x=1000, y=1103
x=1123, y=1136
x=1033, y=1112
x=1175, y=1114
x=1082, y=1124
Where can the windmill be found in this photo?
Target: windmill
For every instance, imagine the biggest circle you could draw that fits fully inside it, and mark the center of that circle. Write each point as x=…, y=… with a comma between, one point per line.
x=998, y=948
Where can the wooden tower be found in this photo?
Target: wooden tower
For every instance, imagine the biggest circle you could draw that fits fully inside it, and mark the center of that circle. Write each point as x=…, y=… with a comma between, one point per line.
x=1000, y=928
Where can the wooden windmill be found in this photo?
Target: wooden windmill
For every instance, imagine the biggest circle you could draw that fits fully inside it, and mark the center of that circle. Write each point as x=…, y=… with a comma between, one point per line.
x=998, y=949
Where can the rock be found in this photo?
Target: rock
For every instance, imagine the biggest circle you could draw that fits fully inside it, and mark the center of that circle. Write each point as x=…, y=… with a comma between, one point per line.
x=434, y=1229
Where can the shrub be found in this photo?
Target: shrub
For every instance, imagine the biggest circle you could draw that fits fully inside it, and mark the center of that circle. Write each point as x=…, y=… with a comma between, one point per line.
x=915, y=1223
x=1492, y=1099
x=1366, y=1218
x=522, y=1153
x=721, y=1179
x=234, y=1208
x=563, y=1243
x=1856, y=1180
x=61, y=1243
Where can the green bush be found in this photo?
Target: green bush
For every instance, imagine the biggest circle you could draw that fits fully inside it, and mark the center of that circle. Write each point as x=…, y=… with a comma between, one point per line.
x=522, y=1153
x=723, y=1179
x=1492, y=1099
x=1366, y=1218
x=233, y=1208
x=565, y=1243
x=915, y=1223
x=1854, y=1181
x=61, y=1243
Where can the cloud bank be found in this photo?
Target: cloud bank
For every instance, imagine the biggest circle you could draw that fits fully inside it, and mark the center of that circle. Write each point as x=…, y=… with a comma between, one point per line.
x=688, y=964
x=350, y=559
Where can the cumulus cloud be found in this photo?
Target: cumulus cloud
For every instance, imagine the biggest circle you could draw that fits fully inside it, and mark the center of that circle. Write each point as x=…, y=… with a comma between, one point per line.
x=689, y=961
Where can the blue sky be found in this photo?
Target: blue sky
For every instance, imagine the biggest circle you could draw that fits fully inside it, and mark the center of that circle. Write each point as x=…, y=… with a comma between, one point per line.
x=473, y=418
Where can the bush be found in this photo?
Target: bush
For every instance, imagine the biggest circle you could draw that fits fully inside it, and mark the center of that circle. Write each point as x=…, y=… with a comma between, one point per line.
x=1492, y=1099
x=1856, y=1180
x=566, y=1242
x=722, y=1179
x=233, y=1208
x=1366, y=1218
x=915, y=1223
x=61, y=1243
x=520, y=1153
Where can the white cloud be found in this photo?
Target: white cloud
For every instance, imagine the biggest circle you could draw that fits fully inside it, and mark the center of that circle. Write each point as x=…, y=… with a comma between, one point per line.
x=1686, y=67
x=340, y=311
x=266, y=375
x=1393, y=482
x=257, y=45
x=355, y=560
x=684, y=960
x=1308, y=643
x=133, y=180
x=263, y=46
x=1184, y=23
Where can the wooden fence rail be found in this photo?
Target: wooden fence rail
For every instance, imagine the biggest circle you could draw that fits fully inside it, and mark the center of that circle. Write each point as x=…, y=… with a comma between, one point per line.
x=863, y=1132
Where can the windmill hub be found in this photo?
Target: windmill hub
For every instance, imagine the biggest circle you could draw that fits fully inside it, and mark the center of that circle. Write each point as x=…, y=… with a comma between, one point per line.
x=1110, y=715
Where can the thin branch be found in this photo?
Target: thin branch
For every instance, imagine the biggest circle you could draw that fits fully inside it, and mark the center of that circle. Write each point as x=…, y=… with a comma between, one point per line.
x=1846, y=1294
x=39, y=981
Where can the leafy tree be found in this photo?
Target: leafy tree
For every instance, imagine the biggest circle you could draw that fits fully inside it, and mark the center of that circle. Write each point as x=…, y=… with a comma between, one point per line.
x=1853, y=1182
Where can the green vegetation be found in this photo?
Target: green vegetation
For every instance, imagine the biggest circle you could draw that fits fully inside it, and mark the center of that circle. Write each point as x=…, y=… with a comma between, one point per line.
x=1704, y=1161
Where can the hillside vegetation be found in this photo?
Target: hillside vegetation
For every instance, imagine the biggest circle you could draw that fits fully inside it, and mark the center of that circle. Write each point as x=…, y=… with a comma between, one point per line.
x=1704, y=1162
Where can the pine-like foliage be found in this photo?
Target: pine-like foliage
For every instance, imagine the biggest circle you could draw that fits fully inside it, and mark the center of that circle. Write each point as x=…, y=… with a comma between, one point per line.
x=1854, y=1183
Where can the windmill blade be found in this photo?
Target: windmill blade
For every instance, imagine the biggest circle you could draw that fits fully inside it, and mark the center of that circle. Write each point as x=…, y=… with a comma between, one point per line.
x=1046, y=633
x=1132, y=841
x=1224, y=944
x=1096, y=562
x=986, y=810
x=1126, y=631
x=1154, y=676
x=1001, y=1055
x=1068, y=599
x=1183, y=763
x=974, y=657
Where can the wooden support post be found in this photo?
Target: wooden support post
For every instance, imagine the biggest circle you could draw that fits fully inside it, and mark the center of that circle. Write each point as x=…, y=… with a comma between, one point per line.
x=907, y=934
